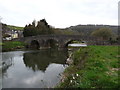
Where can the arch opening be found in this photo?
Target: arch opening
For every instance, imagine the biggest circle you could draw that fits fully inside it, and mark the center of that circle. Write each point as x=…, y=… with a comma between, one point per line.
x=34, y=44
x=75, y=42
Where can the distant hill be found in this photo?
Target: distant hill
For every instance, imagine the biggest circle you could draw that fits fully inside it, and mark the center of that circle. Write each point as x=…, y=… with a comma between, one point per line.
x=65, y=31
x=15, y=27
x=72, y=30
x=87, y=29
x=11, y=27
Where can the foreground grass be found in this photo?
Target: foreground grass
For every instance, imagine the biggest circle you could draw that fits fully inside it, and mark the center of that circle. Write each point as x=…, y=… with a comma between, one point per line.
x=12, y=45
x=93, y=67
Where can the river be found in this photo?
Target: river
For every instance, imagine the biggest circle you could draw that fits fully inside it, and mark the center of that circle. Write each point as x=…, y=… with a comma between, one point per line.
x=33, y=69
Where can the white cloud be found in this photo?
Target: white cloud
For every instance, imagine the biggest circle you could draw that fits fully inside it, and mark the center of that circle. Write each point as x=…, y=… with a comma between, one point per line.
x=59, y=13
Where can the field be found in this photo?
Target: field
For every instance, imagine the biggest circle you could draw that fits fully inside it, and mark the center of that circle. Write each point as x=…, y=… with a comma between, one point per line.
x=93, y=67
x=11, y=45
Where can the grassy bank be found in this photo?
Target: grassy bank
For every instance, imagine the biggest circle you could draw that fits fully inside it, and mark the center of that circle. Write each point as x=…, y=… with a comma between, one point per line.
x=12, y=45
x=93, y=67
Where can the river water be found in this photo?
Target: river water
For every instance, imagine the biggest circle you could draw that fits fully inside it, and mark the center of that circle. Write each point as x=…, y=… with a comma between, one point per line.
x=33, y=69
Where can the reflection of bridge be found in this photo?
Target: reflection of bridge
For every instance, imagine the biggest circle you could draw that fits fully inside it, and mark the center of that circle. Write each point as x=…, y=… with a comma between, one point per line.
x=41, y=59
x=61, y=40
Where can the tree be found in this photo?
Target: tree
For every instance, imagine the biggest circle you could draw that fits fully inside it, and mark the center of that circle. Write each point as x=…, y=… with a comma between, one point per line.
x=104, y=33
x=42, y=28
x=34, y=23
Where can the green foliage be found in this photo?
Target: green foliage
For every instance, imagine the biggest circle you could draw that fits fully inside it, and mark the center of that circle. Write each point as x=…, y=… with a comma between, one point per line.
x=14, y=27
x=4, y=27
x=66, y=31
x=11, y=45
x=104, y=33
x=100, y=69
x=79, y=55
x=10, y=27
x=42, y=28
x=1, y=44
x=88, y=29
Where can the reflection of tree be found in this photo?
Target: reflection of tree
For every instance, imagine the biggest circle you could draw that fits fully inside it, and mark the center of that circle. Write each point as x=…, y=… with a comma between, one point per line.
x=40, y=60
x=6, y=64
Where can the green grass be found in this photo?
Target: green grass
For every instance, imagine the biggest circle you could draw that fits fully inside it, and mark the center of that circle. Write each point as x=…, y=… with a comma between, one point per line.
x=99, y=70
x=1, y=43
x=15, y=27
x=12, y=45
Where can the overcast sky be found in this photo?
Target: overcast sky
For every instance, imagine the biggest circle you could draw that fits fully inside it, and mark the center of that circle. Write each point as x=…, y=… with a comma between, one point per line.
x=59, y=13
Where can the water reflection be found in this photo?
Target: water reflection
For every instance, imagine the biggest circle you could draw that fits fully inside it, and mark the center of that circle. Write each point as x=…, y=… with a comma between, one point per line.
x=8, y=61
x=33, y=69
x=41, y=59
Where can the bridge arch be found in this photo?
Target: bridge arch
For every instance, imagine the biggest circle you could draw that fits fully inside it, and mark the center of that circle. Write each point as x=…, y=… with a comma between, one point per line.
x=74, y=40
x=35, y=44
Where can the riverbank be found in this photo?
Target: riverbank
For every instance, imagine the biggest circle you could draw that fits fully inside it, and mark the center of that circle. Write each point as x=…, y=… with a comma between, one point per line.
x=92, y=67
x=12, y=45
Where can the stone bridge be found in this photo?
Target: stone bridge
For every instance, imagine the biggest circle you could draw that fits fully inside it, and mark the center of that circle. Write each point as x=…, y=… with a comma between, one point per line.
x=60, y=40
